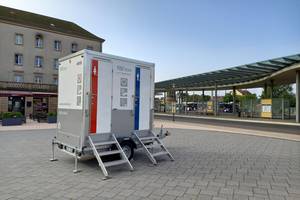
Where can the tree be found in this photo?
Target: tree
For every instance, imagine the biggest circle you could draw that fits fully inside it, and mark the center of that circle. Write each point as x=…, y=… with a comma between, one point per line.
x=197, y=98
x=247, y=97
x=228, y=98
x=193, y=98
x=282, y=91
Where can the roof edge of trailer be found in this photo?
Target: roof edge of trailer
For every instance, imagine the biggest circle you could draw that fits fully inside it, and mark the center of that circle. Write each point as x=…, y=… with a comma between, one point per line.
x=106, y=56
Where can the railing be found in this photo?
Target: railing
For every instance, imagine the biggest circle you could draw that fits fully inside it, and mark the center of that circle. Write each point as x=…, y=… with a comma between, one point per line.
x=34, y=87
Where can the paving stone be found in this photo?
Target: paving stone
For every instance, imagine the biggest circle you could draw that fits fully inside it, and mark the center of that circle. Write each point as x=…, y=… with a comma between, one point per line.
x=243, y=192
x=260, y=191
x=278, y=192
x=256, y=198
x=202, y=183
x=240, y=197
x=227, y=191
x=218, y=198
x=204, y=197
x=175, y=192
x=193, y=191
x=276, y=197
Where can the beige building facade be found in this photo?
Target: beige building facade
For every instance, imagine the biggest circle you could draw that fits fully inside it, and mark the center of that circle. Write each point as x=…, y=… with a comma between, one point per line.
x=30, y=46
x=28, y=69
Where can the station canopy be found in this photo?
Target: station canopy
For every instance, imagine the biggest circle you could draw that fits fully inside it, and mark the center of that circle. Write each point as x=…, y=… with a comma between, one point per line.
x=276, y=71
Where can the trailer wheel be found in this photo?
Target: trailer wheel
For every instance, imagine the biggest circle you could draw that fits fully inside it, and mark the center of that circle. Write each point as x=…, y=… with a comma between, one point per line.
x=128, y=149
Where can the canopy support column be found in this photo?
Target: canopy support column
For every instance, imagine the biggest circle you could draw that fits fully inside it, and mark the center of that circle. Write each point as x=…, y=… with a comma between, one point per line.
x=186, y=100
x=202, y=109
x=216, y=100
x=179, y=100
x=265, y=90
x=282, y=108
x=271, y=88
x=165, y=96
x=233, y=100
x=298, y=96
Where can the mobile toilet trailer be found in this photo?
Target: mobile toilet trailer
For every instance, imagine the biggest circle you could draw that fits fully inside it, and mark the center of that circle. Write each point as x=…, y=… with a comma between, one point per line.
x=105, y=108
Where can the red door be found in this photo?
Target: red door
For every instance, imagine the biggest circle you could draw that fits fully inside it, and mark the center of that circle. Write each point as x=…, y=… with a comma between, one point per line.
x=94, y=97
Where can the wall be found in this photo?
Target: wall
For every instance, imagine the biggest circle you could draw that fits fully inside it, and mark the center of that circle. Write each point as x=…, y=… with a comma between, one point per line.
x=8, y=49
x=28, y=110
x=3, y=104
x=52, y=104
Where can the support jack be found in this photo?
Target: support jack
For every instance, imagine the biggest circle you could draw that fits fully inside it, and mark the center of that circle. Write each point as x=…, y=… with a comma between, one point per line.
x=53, y=157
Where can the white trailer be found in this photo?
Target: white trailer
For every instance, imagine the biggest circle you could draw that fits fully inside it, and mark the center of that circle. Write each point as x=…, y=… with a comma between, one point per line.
x=105, y=109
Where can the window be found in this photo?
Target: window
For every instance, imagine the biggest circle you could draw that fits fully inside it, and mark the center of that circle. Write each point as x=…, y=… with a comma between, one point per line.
x=89, y=48
x=18, y=59
x=19, y=78
x=55, y=63
x=55, y=80
x=38, y=79
x=74, y=47
x=39, y=41
x=19, y=39
x=57, y=45
x=38, y=61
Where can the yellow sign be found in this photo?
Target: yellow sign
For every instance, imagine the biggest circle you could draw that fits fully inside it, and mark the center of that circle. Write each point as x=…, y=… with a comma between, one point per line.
x=266, y=101
x=266, y=108
x=173, y=107
x=210, y=107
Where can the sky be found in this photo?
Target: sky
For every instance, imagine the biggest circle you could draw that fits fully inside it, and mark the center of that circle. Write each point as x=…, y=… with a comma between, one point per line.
x=183, y=37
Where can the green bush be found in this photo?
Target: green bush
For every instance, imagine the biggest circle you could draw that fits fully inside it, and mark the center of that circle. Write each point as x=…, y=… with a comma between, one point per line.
x=1, y=115
x=7, y=115
x=52, y=114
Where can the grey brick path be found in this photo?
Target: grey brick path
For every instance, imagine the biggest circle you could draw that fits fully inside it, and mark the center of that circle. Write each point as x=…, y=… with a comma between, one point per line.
x=208, y=165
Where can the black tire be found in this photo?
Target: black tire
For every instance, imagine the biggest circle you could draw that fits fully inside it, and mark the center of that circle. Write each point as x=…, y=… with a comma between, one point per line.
x=128, y=149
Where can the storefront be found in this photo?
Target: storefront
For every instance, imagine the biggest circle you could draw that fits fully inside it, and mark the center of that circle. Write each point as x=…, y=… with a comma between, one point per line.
x=29, y=104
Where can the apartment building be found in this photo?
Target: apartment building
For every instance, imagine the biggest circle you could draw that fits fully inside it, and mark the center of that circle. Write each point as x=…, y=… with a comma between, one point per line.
x=30, y=46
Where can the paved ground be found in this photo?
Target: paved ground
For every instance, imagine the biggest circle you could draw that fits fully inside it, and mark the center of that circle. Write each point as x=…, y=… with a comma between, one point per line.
x=209, y=165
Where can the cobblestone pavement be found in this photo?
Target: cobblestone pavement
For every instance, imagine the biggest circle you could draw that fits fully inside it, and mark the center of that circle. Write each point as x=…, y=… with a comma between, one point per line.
x=208, y=165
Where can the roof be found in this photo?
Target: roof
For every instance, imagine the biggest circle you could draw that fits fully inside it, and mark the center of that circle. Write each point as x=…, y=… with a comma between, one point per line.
x=244, y=92
x=28, y=19
x=243, y=76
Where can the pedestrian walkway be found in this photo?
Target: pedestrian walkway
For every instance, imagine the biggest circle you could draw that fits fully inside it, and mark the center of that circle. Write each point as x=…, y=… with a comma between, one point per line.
x=235, y=119
x=206, y=127
x=249, y=124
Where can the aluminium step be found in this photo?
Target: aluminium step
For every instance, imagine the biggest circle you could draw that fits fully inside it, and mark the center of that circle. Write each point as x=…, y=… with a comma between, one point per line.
x=115, y=162
x=150, y=146
x=106, y=153
x=105, y=143
x=148, y=138
x=160, y=153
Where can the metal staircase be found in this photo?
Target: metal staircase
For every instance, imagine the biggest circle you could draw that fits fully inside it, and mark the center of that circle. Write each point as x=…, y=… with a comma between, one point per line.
x=152, y=146
x=111, y=147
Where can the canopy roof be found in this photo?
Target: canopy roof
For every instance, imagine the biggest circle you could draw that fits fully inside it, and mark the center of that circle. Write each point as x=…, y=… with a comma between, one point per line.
x=278, y=70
